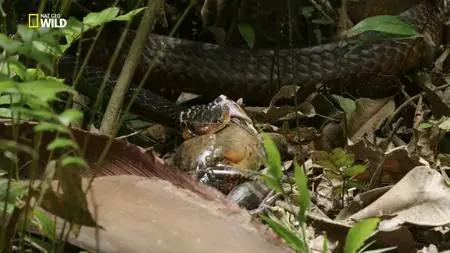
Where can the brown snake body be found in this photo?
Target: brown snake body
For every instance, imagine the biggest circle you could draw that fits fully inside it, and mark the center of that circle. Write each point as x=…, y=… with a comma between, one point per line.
x=257, y=74
x=212, y=70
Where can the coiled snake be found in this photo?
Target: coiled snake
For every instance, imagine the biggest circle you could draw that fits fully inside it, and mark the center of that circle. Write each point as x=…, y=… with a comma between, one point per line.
x=213, y=70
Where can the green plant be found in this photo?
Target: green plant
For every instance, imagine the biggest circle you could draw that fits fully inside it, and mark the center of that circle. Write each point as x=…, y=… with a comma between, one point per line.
x=340, y=165
x=357, y=235
x=29, y=94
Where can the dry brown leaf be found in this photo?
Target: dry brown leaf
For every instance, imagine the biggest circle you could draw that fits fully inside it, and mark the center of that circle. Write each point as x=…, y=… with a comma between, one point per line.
x=368, y=116
x=421, y=197
x=422, y=142
x=151, y=215
x=275, y=114
x=153, y=208
x=284, y=94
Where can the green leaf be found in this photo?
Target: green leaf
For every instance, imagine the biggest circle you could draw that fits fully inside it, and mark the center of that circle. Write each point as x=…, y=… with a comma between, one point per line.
x=16, y=190
x=34, y=113
x=98, y=18
x=273, y=157
x=8, y=85
x=129, y=15
x=72, y=32
x=48, y=126
x=33, y=74
x=41, y=45
x=386, y=24
x=5, y=113
x=359, y=233
x=355, y=170
x=26, y=34
x=425, y=125
x=301, y=182
x=61, y=143
x=43, y=58
x=74, y=160
x=74, y=27
x=10, y=99
x=272, y=183
x=69, y=116
x=275, y=172
x=9, y=207
x=48, y=36
x=288, y=235
x=11, y=46
x=14, y=66
x=325, y=244
x=3, y=77
x=45, y=90
x=323, y=159
x=50, y=51
x=341, y=158
x=247, y=33
x=346, y=104
x=13, y=146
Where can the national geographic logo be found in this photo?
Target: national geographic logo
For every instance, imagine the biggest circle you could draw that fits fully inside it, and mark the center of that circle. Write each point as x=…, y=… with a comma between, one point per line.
x=46, y=20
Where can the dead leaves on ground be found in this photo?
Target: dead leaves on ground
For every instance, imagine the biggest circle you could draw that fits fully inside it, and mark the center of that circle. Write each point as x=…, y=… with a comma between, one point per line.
x=370, y=162
x=137, y=203
x=361, y=162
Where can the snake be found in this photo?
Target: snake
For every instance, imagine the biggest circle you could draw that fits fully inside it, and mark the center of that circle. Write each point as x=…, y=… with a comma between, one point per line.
x=212, y=70
x=227, y=72
x=191, y=121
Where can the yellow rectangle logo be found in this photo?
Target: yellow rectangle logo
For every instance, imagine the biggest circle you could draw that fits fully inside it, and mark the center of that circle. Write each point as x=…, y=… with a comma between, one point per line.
x=33, y=20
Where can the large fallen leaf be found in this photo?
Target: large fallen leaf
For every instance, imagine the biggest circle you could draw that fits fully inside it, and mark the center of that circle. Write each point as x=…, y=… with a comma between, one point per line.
x=284, y=94
x=421, y=197
x=145, y=206
x=368, y=116
x=140, y=215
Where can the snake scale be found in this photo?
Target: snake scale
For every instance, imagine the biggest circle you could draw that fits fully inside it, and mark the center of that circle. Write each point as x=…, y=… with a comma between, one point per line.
x=211, y=70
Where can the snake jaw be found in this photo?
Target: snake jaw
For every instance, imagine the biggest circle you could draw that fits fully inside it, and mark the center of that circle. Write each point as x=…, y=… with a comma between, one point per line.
x=234, y=109
x=213, y=117
x=195, y=127
x=237, y=114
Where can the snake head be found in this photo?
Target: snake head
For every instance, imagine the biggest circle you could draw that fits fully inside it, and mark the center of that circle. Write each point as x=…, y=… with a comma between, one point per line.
x=211, y=118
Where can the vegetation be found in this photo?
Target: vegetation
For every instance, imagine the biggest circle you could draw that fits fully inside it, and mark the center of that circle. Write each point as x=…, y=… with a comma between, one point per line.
x=36, y=94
